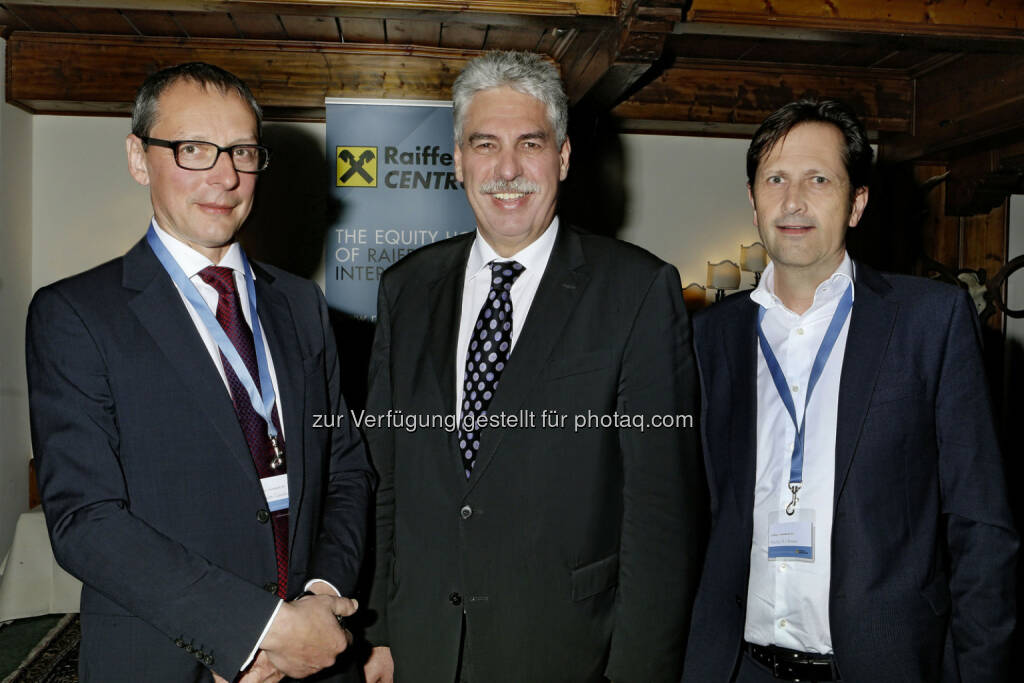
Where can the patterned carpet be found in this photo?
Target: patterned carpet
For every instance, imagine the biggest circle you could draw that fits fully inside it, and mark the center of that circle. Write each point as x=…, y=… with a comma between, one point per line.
x=55, y=658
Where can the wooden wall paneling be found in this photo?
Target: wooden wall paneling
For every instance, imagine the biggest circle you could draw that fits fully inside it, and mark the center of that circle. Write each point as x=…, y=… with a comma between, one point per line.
x=463, y=36
x=367, y=8
x=941, y=238
x=59, y=73
x=259, y=26
x=98, y=21
x=11, y=21
x=412, y=32
x=299, y=27
x=726, y=93
x=207, y=24
x=158, y=23
x=549, y=40
x=354, y=29
x=511, y=38
x=989, y=19
x=41, y=18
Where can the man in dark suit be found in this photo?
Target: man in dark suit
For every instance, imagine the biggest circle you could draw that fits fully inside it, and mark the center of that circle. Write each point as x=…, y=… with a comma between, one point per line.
x=173, y=399
x=548, y=534
x=860, y=527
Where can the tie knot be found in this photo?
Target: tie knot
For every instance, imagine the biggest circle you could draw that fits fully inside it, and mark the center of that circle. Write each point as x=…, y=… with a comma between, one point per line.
x=504, y=274
x=220, y=278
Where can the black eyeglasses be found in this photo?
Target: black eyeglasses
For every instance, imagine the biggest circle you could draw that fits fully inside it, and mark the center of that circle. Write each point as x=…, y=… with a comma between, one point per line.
x=195, y=155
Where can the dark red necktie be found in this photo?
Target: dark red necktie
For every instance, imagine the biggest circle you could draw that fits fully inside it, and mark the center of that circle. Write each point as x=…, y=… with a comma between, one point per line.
x=254, y=427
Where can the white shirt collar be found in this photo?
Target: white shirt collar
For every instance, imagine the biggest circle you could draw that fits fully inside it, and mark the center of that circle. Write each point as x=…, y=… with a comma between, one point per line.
x=827, y=291
x=190, y=260
x=534, y=256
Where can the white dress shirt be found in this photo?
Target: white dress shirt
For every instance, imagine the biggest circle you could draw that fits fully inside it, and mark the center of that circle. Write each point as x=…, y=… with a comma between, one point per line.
x=477, y=284
x=787, y=599
x=191, y=262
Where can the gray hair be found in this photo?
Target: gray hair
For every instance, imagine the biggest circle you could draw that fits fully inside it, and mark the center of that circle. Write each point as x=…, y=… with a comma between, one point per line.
x=524, y=72
x=144, y=110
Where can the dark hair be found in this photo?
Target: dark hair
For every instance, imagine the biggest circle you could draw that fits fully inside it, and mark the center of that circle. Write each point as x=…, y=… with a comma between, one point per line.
x=856, y=152
x=144, y=110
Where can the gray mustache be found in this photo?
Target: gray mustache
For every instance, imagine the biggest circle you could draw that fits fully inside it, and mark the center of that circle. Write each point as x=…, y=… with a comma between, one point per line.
x=514, y=185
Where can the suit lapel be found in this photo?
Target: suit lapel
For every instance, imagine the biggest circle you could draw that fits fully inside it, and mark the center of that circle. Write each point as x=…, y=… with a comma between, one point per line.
x=739, y=342
x=279, y=327
x=871, y=324
x=560, y=288
x=161, y=311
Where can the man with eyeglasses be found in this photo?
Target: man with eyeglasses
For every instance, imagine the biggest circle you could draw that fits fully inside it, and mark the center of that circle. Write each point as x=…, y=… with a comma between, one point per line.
x=173, y=394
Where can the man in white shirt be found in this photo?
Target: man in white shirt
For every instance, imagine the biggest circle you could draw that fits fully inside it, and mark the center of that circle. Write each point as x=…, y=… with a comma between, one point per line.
x=550, y=532
x=173, y=395
x=860, y=526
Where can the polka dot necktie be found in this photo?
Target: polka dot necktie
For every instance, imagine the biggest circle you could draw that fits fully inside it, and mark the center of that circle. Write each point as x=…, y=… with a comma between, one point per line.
x=488, y=352
x=254, y=427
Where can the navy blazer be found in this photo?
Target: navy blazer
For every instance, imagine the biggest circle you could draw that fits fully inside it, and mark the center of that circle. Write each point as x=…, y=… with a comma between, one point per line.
x=148, y=486
x=923, y=545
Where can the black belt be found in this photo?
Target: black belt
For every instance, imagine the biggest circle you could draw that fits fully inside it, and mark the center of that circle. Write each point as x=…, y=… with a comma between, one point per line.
x=793, y=665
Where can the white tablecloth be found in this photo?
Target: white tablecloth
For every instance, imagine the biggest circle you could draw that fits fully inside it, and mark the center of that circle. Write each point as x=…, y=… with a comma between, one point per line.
x=32, y=583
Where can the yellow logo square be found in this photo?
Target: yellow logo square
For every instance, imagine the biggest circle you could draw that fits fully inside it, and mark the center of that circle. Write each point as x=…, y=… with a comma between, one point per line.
x=357, y=166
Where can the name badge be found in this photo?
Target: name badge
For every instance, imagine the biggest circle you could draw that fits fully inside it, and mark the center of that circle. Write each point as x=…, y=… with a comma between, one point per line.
x=791, y=540
x=275, y=490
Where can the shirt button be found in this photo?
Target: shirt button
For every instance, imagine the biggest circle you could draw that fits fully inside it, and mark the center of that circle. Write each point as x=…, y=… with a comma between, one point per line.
x=466, y=512
x=782, y=623
x=795, y=388
x=783, y=567
x=800, y=330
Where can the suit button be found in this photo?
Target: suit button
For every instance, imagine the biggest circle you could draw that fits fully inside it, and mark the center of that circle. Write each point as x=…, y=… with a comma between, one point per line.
x=270, y=587
x=179, y=642
x=466, y=512
x=189, y=648
x=263, y=516
x=455, y=599
x=208, y=660
x=739, y=601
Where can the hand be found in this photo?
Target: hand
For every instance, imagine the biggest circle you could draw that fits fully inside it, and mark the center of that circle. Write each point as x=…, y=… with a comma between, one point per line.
x=305, y=636
x=380, y=667
x=261, y=671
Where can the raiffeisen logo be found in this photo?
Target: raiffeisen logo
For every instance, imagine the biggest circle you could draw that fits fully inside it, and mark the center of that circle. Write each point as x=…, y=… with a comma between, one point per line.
x=357, y=166
x=414, y=169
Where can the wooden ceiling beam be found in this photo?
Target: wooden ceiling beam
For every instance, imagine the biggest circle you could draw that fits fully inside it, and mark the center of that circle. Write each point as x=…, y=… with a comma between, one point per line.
x=716, y=97
x=973, y=103
x=390, y=8
x=72, y=74
x=990, y=20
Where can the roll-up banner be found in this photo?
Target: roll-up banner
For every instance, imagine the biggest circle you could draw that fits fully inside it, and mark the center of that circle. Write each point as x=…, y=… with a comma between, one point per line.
x=395, y=180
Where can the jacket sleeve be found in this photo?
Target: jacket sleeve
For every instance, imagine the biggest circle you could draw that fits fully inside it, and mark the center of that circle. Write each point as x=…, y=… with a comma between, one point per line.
x=76, y=443
x=980, y=535
x=664, y=494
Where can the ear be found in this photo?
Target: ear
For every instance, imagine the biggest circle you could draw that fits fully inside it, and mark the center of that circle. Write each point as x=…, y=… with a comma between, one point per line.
x=860, y=201
x=137, y=160
x=458, y=162
x=753, y=204
x=563, y=159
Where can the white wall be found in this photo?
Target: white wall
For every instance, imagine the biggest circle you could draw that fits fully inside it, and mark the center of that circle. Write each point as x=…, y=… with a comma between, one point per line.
x=687, y=201
x=15, y=291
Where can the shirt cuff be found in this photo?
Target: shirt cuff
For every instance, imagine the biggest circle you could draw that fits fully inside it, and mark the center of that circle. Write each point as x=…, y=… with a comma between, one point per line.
x=328, y=583
x=252, y=655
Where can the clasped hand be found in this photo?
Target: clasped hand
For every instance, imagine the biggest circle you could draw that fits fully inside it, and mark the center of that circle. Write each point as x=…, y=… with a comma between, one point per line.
x=304, y=638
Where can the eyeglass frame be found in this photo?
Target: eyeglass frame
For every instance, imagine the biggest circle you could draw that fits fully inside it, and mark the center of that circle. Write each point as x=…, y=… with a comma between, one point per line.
x=173, y=146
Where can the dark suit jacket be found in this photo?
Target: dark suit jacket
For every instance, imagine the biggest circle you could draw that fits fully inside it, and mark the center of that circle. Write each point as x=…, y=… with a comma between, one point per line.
x=149, y=490
x=571, y=554
x=923, y=547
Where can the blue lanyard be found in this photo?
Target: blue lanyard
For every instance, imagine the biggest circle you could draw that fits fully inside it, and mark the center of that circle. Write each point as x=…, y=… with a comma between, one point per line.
x=262, y=403
x=796, y=467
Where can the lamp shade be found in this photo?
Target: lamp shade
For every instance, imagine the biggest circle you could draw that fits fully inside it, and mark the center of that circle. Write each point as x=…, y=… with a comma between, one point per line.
x=723, y=275
x=695, y=297
x=754, y=258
